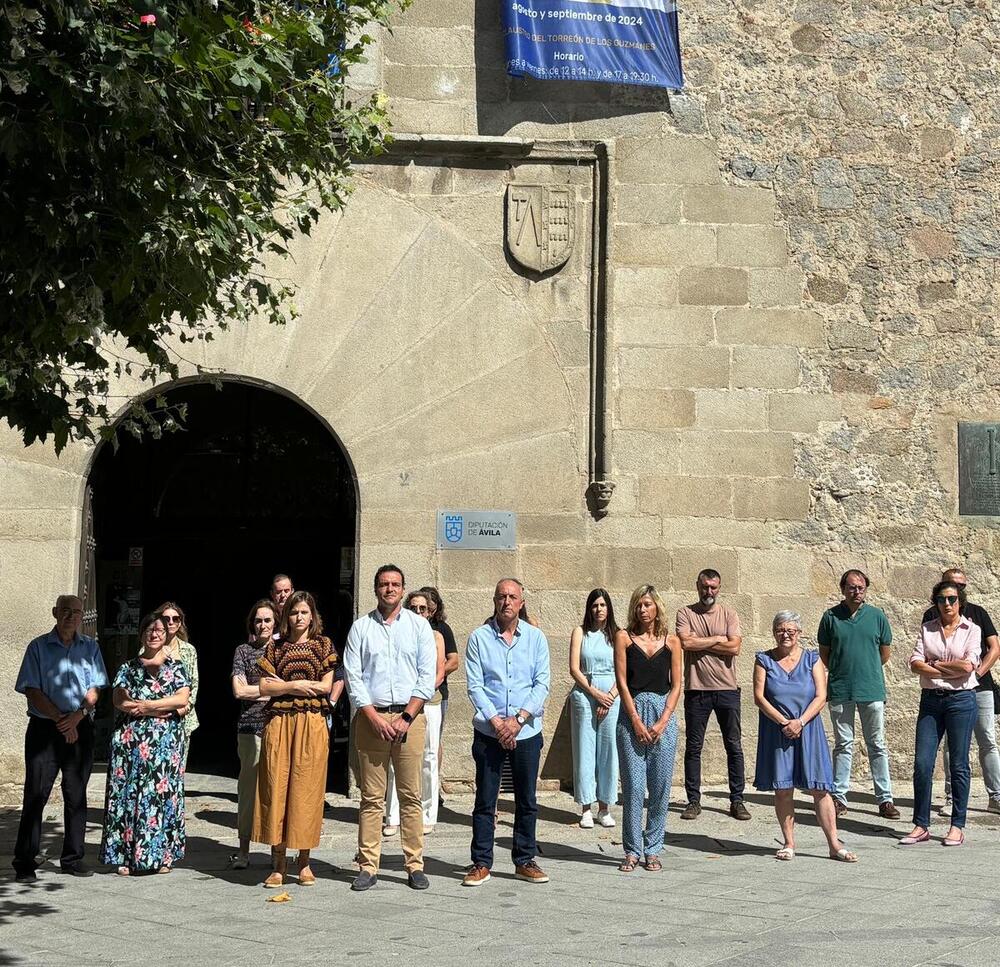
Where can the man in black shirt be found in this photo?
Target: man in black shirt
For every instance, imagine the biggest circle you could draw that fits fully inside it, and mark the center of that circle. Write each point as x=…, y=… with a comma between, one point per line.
x=985, y=727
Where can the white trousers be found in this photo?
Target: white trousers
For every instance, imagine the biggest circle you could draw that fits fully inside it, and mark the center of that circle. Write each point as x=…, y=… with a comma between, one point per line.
x=429, y=772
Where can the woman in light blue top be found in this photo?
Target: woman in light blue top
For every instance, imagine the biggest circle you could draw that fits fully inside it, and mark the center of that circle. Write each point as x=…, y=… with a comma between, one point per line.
x=594, y=710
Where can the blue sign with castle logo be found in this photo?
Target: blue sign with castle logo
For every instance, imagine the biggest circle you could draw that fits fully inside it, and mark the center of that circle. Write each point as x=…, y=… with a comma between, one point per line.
x=476, y=530
x=614, y=41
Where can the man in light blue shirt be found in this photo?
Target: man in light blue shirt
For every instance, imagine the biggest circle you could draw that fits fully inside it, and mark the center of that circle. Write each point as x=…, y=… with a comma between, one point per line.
x=507, y=672
x=390, y=662
x=60, y=677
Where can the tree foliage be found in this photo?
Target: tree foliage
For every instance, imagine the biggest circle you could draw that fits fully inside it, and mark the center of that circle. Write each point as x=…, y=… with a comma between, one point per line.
x=151, y=159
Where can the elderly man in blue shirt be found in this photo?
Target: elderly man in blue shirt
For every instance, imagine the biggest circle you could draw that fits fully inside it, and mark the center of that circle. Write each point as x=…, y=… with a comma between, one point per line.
x=60, y=676
x=507, y=671
x=390, y=660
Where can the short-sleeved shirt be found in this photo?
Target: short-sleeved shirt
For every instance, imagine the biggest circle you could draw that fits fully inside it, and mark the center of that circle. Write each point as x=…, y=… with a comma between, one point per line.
x=855, y=663
x=246, y=665
x=450, y=648
x=63, y=673
x=981, y=617
x=704, y=671
x=298, y=661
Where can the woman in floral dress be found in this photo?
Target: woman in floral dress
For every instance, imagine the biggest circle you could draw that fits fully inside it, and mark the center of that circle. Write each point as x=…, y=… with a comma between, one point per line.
x=144, y=807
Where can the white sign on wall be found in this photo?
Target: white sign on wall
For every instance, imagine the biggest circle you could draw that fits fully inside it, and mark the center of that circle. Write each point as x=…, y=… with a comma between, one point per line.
x=476, y=530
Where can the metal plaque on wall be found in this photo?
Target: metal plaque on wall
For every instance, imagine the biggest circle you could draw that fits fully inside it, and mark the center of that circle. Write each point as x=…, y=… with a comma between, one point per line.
x=979, y=469
x=476, y=530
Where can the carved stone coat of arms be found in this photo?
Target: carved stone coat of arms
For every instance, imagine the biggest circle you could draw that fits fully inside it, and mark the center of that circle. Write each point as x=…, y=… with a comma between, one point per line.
x=541, y=225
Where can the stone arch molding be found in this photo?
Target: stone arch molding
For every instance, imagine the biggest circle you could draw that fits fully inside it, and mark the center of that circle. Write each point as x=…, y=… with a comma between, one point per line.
x=412, y=347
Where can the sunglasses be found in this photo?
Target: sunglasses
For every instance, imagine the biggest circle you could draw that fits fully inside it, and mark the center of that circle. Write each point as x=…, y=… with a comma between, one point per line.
x=947, y=599
x=419, y=608
x=172, y=619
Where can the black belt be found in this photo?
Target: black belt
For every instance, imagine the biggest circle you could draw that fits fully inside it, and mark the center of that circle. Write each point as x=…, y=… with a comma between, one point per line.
x=395, y=709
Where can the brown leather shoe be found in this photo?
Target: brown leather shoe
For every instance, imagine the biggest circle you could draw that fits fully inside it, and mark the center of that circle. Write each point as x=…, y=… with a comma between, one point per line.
x=476, y=876
x=531, y=872
x=888, y=810
x=738, y=810
x=691, y=811
x=840, y=806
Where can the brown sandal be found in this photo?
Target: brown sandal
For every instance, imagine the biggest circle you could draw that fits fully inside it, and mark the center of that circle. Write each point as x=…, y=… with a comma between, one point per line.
x=653, y=864
x=306, y=877
x=628, y=864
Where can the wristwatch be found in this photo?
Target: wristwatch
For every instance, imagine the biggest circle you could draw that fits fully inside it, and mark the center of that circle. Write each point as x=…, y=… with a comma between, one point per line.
x=520, y=719
x=406, y=717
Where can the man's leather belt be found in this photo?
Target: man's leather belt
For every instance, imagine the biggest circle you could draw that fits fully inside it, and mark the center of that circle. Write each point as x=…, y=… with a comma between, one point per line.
x=395, y=709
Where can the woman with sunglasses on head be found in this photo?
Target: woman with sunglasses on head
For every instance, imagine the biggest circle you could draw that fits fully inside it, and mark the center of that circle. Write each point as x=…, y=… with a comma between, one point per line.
x=789, y=688
x=144, y=804
x=945, y=657
x=417, y=602
x=594, y=709
x=439, y=622
x=648, y=674
x=179, y=648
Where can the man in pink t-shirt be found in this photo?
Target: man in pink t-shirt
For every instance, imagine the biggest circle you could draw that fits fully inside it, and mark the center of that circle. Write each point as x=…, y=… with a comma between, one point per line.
x=710, y=636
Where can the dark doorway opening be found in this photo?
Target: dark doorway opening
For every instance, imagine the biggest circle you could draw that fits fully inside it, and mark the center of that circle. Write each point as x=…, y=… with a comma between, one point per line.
x=253, y=485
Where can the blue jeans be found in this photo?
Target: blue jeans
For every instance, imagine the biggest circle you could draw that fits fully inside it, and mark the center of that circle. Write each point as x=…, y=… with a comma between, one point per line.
x=873, y=729
x=943, y=712
x=986, y=741
x=489, y=755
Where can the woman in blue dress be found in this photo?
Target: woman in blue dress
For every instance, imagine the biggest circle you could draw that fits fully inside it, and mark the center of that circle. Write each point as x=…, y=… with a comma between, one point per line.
x=144, y=807
x=594, y=710
x=789, y=688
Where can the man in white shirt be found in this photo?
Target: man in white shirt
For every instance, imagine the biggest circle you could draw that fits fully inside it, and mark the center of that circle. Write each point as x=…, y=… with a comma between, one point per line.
x=389, y=661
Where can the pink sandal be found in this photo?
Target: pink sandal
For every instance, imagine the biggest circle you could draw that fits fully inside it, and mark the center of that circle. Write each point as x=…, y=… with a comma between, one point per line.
x=923, y=837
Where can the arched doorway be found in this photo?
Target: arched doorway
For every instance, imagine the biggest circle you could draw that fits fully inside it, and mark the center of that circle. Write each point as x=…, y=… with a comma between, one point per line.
x=252, y=485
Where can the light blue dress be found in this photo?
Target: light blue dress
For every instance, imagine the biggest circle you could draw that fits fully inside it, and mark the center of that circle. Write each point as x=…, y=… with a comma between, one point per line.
x=783, y=763
x=595, y=754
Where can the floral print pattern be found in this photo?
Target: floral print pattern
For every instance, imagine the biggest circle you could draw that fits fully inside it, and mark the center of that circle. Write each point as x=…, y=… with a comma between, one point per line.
x=144, y=805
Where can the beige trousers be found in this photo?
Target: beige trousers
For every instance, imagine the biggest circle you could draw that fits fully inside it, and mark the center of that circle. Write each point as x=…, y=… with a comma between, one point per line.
x=248, y=747
x=374, y=756
x=291, y=781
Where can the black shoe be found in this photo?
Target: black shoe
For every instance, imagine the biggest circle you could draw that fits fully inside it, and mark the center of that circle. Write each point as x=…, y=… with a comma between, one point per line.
x=25, y=876
x=738, y=810
x=364, y=881
x=77, y=869
x=691, y=811
x=417, y=880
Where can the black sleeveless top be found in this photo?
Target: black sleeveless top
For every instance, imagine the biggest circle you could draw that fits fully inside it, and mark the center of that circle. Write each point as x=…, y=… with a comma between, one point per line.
x=644, y=674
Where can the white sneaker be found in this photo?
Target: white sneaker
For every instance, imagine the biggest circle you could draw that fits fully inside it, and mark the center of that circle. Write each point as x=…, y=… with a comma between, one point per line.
x=586, y=819
x=945, y=809
x=606, y=819
x=389, y=830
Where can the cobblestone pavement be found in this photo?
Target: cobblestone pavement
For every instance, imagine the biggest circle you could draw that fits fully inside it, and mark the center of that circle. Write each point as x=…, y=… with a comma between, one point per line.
x=721, y=898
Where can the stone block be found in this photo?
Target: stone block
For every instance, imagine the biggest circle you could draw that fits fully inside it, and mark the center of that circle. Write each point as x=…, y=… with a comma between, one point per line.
x=665, y=245
x=413, y=116
x=665, y=326
x=685, y=496
x=636, y=286
x=644, y=451
x=770, y=327
x=931, y=293
x=773, y=499
x=936, y=142
x=752, y=245
x=673, y=368
x=628, y=567
x=689, y=561
x=810, y=607
x=850, y=336
x=736, y=454
x=416, y=560
x=435, y=13
x=436, y=46
x=731, y=409
x=913, y=583
x=655, y=408
x=551, y=529
x=716, y=532
x=487, y=180
x=474, y=569
x=667, y=161
x=720, y=204
x=772, y=368
x=802, y=412
x=713, y=287
x=932, y=242
x=435, y=83
x=774, y=571
x=776, y=287
x=408, y=526
x=560, y=568
x=851, y=381
x=647, y=204
x=617, y=530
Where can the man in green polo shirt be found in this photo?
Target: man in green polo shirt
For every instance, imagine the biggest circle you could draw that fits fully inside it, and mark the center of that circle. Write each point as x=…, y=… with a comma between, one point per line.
x=854, y=639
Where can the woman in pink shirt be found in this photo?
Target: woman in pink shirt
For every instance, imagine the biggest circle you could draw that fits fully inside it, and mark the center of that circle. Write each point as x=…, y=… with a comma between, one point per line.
x=946, y=657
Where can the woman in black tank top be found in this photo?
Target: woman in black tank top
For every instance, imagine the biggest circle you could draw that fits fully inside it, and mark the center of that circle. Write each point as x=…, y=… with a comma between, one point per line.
x=648, y=672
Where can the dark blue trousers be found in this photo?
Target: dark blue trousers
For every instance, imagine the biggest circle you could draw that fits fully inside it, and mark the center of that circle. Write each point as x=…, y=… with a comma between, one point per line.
x=943, y=712
x=489, y=756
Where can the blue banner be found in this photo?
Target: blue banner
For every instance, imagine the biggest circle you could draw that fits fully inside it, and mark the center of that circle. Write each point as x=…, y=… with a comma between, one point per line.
x=615, y=41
